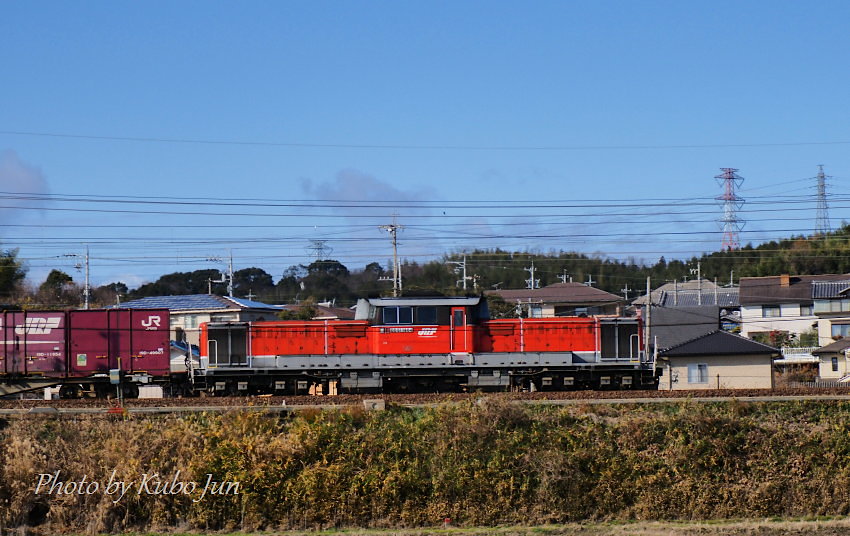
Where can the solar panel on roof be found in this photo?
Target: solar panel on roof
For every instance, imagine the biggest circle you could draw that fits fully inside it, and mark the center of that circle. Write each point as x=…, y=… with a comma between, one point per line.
x=190, y=302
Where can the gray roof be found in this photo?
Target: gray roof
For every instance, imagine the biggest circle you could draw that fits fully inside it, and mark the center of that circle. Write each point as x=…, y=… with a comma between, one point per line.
x=670, y=326
x=830, y=289
x=782, y=289
x=837, y=346
x=719, y=343
x=562, y=293
x=453, y=301
x=677, y=286
x=725, y=297
x=196, y=302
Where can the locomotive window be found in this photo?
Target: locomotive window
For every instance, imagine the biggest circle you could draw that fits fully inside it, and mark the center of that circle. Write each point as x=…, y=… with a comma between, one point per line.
x=426, y=315
x=398, y=315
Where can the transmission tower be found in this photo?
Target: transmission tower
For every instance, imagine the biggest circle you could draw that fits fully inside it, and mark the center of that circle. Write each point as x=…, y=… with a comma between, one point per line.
x=319, y=249
x=732, y=203
x=822, y=219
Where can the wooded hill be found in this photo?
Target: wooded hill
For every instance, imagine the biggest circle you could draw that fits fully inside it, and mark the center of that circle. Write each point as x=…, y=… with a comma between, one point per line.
x=329, y=280
x=491, y=269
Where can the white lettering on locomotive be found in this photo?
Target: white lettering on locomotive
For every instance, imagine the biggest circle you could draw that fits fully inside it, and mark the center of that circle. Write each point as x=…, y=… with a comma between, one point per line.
x=427, y=332
x=396, y=330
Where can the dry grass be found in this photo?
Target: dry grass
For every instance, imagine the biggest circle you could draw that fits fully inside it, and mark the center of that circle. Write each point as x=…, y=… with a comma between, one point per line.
x=479, y=464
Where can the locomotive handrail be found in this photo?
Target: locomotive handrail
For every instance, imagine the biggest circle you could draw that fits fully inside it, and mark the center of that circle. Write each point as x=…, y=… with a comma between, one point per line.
x=634, y=337
x=210, y=344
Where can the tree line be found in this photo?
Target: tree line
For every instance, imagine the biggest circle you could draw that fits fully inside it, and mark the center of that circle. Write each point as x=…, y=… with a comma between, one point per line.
x=330, y=280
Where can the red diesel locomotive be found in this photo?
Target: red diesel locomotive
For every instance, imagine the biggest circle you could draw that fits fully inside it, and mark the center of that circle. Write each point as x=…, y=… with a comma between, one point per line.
x=416, y=344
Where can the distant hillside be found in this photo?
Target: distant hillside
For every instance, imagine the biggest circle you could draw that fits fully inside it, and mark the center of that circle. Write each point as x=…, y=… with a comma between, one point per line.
x=327, y=280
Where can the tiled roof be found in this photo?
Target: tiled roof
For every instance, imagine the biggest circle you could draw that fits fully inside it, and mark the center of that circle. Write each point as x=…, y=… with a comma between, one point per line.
x=195, y=302
x=671, y=326
x=725, y=297
x=837, y=346
x=677, y=286
x=718, y=343
x=830, y=289
x=769, y=290
x=568, y=293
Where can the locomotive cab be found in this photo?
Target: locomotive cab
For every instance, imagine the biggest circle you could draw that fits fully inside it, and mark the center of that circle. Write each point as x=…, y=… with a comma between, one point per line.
x=445, y=325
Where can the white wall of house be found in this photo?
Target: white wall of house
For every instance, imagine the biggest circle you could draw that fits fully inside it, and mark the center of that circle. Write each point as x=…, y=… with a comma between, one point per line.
x=713, y=372
x=784, y=317
x=830, y=329
x=833, y=366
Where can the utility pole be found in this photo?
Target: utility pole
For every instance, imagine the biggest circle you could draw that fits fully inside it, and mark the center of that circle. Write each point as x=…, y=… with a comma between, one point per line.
x=647, y=325
x=625, y=290
x=230, y=274
x=461, y=265
x=86, y=288
x=699, y=282
x=225, y=277
x=531, y=282
x=565, y=276
x=393, y=229
x=589, y=281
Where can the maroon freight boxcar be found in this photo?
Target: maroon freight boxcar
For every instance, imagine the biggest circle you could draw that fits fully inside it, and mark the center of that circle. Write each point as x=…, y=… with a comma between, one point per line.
x=83, y=346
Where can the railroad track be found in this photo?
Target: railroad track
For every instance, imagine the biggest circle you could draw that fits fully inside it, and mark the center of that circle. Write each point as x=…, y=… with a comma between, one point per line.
x=280, y=404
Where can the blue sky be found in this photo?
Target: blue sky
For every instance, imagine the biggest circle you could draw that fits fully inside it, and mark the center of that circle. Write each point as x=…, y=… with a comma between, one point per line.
x=589, y=126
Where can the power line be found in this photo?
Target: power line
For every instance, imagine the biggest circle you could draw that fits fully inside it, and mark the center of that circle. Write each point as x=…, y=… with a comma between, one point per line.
x=307, y=145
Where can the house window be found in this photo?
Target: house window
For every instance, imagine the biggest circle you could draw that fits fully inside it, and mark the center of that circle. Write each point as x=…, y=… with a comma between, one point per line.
x=807, y=310
x=770, y=311
x=398, y=315
x=832, y=306
x=697, y=373
x=535, y=311
x=834, y=364
x=840, y=331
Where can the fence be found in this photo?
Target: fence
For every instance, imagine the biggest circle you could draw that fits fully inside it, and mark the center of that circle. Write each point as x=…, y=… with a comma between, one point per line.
x=819, y=384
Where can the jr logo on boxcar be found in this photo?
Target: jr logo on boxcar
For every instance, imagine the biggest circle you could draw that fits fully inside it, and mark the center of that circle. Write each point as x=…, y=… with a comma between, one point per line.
x=152, y=322
x=37, y=326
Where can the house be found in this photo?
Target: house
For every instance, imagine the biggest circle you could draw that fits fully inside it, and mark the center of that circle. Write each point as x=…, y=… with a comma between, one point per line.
x=782, y=304
x=717, y=360
x=832, y=308
x=671, y=326
x=833, y=360
x=563, y=299
x=694, y=293
x=701, y=304
x=188, y=312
